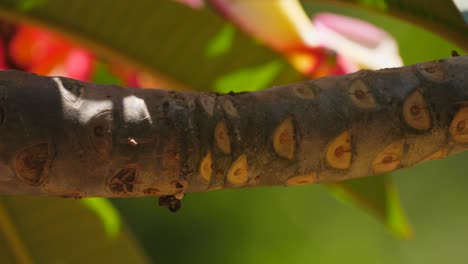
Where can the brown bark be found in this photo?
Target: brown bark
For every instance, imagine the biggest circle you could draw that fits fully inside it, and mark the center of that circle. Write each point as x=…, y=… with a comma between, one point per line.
x=68, y=138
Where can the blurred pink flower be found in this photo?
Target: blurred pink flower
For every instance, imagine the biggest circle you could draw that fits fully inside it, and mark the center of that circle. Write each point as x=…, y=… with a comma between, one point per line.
x=3, y=65
x=326, y=45
x=43, y=52
x=357, y=41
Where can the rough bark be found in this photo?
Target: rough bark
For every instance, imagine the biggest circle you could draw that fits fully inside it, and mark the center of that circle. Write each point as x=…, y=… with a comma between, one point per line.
x=68, y=138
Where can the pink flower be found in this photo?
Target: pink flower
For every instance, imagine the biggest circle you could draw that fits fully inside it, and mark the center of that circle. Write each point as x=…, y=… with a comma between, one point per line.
x=357, y=41
x=329, y=44
x=43, y=52
x=3, y=65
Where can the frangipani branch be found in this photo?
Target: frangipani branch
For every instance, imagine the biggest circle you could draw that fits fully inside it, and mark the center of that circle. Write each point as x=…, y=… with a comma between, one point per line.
x=63, y=137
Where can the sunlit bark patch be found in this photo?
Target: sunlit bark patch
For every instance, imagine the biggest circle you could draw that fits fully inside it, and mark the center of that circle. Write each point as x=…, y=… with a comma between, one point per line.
x=222, y=138
x=389, y=158
x=31, y=164
x=302, y=90
x=459, y=126
x=71, y=90
x=361, y=96
x=302, y=179
x=238, y=172
x=284, y=141
x=339, y=151
x=433, y=70
x=122, y=183
x=206, y=169
x=415, y=111
x=100, y=134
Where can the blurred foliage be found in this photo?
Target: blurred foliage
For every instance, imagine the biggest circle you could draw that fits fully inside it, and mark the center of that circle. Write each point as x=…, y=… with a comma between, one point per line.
x=439, y=16
x=108, y=215
x=272, y=225
x=169, y=41
x=54, y=230
x=379, y=196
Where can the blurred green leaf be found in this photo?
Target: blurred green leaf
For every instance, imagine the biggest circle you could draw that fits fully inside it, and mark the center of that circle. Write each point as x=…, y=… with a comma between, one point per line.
x=381, y=4
x=102, y=74
x=25, y=5
x=439, y=16
x=378, y=196
x=249, y=79
x=58, y=230
x=166, y=38
x=108, y=215
x=221, y=43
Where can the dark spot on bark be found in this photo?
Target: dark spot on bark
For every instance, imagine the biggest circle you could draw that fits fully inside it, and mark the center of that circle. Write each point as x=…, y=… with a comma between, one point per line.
x=387, y=159
x=461, y=125
x=339, y=151
x=179, y=185
x=99, y=131
x=123, y=181
x=31, y=164
x=360, y=94
x=238, y=172
x=169, y=201
x=415, y=110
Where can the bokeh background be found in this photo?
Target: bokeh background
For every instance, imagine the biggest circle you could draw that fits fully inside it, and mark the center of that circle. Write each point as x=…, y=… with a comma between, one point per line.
x=296, y=224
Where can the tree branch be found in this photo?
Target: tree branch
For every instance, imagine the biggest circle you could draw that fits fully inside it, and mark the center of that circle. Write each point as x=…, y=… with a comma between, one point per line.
x=68, y=138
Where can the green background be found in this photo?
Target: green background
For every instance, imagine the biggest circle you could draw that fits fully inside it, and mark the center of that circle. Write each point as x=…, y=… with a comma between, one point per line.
x=305, y=224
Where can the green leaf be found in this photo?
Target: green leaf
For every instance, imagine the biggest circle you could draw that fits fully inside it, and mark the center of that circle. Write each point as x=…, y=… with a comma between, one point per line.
x=439, y=16
x=221, y=43
x=166, y=38
x=101, y=74
x=25, y=5
x=379, y=196
x=108, y=215
x=58, y=230
x=249, y=79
